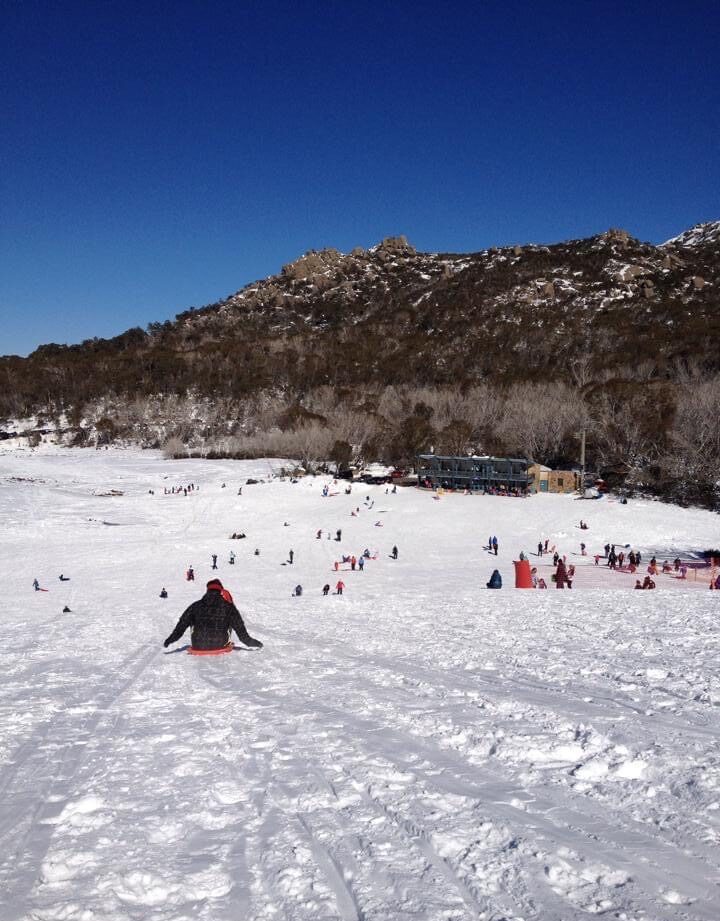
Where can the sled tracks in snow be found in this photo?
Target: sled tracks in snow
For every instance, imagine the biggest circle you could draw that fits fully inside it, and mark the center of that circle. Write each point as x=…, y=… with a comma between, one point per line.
x=39, y=780
x=359, y=820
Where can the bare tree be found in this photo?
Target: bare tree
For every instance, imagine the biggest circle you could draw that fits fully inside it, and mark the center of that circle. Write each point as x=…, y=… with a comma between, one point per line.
x=536, y=420
x=695, y=434
x=314, y=443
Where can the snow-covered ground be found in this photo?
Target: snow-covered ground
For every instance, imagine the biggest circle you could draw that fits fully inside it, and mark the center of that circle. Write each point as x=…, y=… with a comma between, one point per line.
x=419, y=748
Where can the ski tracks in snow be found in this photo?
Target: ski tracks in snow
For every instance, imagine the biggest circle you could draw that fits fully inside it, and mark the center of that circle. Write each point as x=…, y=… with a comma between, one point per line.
x=36, y=784
x=379, y=787
x=424, y=757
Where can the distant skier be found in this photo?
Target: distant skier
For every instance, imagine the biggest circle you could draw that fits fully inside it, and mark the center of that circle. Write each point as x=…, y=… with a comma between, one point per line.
x=231, y=559
x=36, y=585
x=214, y=557
x=495, y=545
x=64, y=578
x=326, y=588
x=211, y=619
x=394, y=553
x=163, y=592
x=361, y=563
x=66, y=610
x=190, y=574
x=338, y=534
x=298, y=591
x=291, y=556
x=540, y=548
x=319, y=534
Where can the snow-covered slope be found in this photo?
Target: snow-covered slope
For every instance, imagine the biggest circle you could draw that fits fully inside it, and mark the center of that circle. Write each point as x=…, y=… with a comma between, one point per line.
x=419, y=748
x=699, y=235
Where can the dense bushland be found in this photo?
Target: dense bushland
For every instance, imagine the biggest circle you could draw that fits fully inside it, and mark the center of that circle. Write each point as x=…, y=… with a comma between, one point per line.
x=388, y=352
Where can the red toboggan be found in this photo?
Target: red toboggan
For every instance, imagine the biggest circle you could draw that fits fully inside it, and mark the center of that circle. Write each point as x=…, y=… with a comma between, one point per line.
x=211, y=652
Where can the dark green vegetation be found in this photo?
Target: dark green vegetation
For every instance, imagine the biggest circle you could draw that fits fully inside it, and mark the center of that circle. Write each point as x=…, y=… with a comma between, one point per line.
x=387, y=351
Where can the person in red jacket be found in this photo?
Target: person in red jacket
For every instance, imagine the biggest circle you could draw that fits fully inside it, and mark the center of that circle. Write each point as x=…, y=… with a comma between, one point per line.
x=561, y=576
x=211, y=619
x=339, y=587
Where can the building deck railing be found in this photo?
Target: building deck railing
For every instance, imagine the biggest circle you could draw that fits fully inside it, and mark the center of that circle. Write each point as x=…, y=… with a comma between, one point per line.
x=473, y=473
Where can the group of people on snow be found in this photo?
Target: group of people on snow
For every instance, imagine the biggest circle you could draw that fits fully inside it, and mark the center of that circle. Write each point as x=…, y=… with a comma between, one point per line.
x=616, y=559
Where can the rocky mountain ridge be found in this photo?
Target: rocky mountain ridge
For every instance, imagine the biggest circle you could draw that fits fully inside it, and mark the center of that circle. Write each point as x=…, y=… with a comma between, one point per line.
x=468, y=350
x=503, y=312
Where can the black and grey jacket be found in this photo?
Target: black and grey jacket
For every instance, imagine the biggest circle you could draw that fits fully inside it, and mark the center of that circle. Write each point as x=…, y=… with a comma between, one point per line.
x=211, y=619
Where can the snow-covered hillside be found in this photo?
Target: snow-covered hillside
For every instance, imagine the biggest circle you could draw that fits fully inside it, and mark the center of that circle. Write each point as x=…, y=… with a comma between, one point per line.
x=699, y=235
x=419, y=748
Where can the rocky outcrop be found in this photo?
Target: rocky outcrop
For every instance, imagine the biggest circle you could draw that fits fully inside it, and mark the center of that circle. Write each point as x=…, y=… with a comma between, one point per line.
x=312, y=263
x=396, y=246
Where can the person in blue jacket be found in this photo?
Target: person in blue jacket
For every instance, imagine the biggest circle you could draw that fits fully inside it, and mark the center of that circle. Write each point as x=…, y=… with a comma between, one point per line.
x=495, y=580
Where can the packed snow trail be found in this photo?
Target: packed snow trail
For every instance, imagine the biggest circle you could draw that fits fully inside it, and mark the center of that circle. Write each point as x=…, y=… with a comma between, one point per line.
x=417, y=749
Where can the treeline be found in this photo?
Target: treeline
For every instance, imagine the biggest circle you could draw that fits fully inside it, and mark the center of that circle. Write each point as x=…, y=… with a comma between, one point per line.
x=656, y=436
x=387, y=353
x=645, y=431
x=416, y=320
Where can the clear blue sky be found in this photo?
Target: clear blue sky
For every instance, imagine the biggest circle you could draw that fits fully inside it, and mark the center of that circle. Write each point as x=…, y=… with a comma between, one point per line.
x=159, y=155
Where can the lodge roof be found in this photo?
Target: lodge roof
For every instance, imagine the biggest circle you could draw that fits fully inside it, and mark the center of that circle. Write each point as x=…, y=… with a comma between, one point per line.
x=471, y=457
